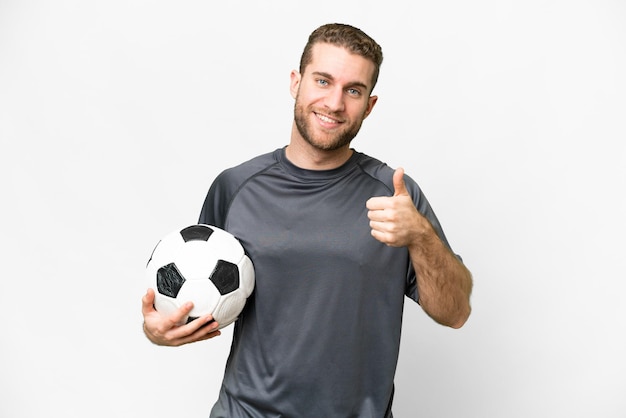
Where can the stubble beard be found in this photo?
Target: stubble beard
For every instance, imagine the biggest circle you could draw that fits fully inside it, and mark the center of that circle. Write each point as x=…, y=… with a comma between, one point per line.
x=338, y=141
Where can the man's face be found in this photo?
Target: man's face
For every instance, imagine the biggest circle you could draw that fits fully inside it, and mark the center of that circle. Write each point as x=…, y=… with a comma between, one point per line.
x=332, y=97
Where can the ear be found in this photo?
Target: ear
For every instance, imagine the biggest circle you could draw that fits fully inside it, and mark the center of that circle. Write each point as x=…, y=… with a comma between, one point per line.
x=370, y=105
x=294, y=85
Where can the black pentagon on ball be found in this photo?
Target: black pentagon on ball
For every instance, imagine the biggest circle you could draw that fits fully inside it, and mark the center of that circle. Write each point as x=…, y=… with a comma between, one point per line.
x=225, y=277
x=169, y=280
x=196, y=233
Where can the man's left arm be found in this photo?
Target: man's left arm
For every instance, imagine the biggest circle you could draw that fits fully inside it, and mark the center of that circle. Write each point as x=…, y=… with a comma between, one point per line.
x=444, y=284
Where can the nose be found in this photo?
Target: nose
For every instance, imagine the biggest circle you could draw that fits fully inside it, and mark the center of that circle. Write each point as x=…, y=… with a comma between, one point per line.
x=334, y=100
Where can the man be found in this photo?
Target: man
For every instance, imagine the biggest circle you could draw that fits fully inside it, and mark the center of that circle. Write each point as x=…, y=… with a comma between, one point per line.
x=337, y=240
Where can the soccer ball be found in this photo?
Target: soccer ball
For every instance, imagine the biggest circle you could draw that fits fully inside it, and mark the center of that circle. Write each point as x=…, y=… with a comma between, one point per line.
x=205, y=265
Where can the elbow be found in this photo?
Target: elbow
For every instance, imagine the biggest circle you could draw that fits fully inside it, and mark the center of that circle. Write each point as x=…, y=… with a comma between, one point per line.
x=461, y=319
x=464, y=307
x=450, y=318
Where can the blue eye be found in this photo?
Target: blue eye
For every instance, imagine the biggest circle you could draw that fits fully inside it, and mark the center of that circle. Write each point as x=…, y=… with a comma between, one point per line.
x=354, y=92
x=322, y=82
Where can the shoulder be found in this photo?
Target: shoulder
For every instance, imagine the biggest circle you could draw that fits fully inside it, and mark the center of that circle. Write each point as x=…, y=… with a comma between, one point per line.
x=383, y=173
x=228, y=183
x=242, y=172
x=373, y=166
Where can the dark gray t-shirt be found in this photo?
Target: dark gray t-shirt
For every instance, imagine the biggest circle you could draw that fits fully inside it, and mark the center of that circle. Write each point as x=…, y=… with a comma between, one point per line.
x=320, y=335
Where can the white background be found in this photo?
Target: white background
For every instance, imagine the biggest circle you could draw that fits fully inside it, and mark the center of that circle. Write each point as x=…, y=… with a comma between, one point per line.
x=116, y=116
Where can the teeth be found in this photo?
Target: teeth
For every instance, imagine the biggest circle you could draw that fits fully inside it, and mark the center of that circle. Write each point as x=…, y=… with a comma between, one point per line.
x=326, y=118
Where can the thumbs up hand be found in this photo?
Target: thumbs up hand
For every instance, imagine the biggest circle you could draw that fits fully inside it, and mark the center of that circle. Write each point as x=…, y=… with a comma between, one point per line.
x=394, y=219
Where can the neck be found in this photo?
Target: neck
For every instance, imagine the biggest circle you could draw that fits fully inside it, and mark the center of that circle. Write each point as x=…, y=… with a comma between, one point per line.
x=304, y=155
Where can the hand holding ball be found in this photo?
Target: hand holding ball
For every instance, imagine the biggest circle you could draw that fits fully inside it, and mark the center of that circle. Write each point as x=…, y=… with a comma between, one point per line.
x=205, y=265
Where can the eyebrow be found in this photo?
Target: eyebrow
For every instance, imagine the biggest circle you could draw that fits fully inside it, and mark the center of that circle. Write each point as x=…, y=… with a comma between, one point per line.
x=330, y=77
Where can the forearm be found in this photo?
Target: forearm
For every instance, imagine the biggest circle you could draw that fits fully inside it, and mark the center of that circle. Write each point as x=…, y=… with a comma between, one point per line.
x=444, y=284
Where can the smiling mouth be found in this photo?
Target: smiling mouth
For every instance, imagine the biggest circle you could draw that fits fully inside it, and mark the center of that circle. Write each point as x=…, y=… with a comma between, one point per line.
x=326, y=119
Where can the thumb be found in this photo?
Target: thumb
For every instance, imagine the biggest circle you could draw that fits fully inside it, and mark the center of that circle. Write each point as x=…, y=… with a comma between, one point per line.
x=399, y=188
x=147, y=302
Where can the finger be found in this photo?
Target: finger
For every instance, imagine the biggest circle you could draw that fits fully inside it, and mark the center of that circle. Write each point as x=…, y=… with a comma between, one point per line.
x=380, y=236
x=195, y=330
x=399, y=187
x=381, y=226
x=205, y=332
x=206, y=322
x=377, y=203
x=175, y=331
x=147, y=302
x=379, y=216
x=182, y=313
